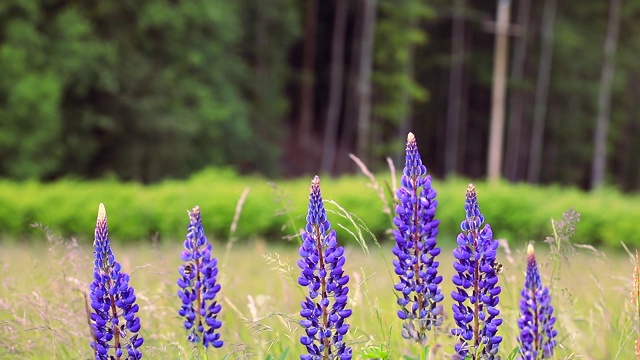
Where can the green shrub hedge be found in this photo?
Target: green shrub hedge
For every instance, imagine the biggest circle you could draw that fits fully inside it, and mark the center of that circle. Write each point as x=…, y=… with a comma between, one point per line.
x=518, y=212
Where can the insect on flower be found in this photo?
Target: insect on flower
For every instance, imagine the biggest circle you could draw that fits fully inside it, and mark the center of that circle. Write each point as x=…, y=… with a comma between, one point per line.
x=187, y=269
x=498, y=268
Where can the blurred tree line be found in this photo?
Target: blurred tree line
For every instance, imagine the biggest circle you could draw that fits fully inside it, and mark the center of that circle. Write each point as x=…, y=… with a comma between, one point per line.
x=148, y=89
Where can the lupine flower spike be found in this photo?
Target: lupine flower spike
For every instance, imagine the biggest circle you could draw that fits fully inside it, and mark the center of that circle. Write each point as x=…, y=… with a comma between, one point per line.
x=324, y=309
x=635, y=299
x=198, y=286
x=114, y=323
x=476, y=294
x=416, y=249
x=537, y=336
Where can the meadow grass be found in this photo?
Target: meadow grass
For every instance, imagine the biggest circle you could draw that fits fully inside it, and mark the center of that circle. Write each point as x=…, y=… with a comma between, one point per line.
x=43, y=316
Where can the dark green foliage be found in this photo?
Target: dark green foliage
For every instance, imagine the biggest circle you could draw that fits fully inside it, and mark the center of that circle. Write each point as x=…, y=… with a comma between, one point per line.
x=519, y=213
x=141, y=90
x=269, y=30
x=399, y=27
x=152, y=89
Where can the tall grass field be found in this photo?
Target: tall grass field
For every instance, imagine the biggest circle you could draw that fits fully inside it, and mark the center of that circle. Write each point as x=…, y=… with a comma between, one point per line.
x=43, y=316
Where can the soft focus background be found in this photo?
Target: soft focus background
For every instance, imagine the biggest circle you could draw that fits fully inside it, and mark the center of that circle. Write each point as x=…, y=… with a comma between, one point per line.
x=154, y=89
x=154, y=106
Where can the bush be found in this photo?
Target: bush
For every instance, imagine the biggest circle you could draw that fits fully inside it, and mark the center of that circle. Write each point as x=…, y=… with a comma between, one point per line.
x=518, y=212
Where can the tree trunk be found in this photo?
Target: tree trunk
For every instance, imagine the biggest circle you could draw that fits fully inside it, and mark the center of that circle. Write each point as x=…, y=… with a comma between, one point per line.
x=407, y=104
x=262, y=65
x=305, y=123
x=542, y=91
x=363, y=141
x=498, y=91
x=348, y=136
x=624, y=154
x=516, y=99
x=335, y=88
x=604, y=95
x=405, y=116
x=455, y=89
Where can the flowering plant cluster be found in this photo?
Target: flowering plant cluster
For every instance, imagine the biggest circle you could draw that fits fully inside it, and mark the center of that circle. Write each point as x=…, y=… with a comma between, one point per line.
x=416, y=249
x=324, y=310
x=198, y=286
x=114, y=323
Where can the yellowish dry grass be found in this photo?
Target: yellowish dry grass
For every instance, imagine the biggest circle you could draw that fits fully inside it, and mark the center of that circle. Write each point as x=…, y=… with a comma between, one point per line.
x=42, y=311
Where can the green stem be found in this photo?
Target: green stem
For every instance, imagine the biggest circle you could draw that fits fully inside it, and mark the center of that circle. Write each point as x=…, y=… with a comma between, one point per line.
x=556, y=257
x=416, y=253
x=323, y=287
x=476, y=291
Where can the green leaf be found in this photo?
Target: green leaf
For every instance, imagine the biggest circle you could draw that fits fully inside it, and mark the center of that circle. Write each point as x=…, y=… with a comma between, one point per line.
x=512, y=355
x=381, y=352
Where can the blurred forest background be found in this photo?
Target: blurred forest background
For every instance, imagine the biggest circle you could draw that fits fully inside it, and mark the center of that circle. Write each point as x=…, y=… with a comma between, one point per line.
x=151, y=89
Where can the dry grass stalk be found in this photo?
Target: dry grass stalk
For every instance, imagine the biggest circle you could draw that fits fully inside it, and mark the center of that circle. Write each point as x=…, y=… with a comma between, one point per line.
x=635, y=296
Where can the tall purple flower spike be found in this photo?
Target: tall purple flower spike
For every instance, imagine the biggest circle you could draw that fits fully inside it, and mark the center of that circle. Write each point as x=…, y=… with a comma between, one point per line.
x=114, y=322
x=537, y=336
x=198, y=286
x=416, y=249
x=324, y=309
x=476, y=294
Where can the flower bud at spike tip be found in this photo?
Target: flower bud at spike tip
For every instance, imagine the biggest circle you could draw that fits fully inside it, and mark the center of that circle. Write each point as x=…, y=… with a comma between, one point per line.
x=102, y=213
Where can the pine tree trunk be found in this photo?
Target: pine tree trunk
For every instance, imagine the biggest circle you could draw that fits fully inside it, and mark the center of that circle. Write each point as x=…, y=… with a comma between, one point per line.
x=516, y=99
x=305, y=122
x=542, y=92
x=406, y=114
x=455, y=88
x=604, y=95
x=348, y=136
x=363, y=139
x=498, y=91
x=336, y=87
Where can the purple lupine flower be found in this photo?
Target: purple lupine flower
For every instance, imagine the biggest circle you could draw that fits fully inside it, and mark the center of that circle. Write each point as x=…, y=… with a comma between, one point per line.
x=416, y=249
x=198, y=286
x=114, y=323
x=537, y=336
x=476, y=294
x=321, y=263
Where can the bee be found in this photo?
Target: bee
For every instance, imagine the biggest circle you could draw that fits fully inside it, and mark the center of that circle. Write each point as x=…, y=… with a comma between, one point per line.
x=187, y=269
x=498, y=268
